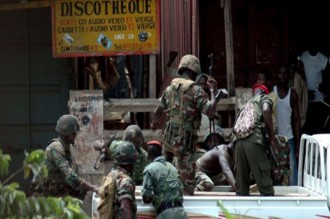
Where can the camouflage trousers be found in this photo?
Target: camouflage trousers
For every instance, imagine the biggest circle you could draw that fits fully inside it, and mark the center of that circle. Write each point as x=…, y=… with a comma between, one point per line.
x=281, y=172
x=185, y=165
x=50, y=188
x=206, y=181
x=203, y=182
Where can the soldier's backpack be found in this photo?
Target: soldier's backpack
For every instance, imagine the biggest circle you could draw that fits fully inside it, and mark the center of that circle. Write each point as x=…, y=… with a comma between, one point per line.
x=107, y=193
x=245, y=122
x=178, y=123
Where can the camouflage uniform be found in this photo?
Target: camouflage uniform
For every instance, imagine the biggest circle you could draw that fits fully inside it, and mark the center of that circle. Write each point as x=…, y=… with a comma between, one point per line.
x=251, y=155
x=62, y=179
x=124, y=154
x=161, y=182
x=140, y=164
x=182, y=126
x=183, y=101
x=133, y=134
x=203, y=181
x=281, y=171
x=125, y=188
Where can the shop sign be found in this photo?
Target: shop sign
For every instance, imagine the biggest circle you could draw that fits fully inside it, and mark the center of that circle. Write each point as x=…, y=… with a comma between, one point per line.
x=105, y=27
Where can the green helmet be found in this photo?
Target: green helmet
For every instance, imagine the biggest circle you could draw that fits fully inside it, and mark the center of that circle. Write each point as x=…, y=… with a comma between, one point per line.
x=190, y=62
x=125, y=153
x=213, y=137
x=66, y=125
x=113, y=147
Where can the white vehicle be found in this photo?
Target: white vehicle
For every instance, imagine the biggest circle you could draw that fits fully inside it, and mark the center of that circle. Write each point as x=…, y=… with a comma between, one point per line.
x=310, y=199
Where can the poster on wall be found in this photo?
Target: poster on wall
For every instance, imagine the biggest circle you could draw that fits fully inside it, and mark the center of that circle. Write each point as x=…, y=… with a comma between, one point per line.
x=105, y=27
x=87, y=106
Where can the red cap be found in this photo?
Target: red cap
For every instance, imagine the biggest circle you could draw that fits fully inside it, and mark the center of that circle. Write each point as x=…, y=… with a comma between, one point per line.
x=260, y=86
x=154, y=142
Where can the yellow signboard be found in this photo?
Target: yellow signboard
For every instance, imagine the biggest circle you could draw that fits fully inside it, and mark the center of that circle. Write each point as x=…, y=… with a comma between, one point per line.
x=105, y=27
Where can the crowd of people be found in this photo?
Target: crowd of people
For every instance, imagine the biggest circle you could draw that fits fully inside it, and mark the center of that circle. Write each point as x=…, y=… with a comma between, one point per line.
x=180, y=165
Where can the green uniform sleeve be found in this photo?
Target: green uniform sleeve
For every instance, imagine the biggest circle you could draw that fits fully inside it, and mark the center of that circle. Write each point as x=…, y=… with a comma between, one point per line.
x=71, y=177
x=147, y=187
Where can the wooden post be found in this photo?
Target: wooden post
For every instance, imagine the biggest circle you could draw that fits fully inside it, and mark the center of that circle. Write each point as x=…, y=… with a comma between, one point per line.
x=152, y=76
x=229, y=48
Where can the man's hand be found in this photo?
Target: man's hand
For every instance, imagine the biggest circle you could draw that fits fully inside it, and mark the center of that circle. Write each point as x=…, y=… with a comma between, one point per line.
x=212, y=83
x=98, y=145
x=95, y=189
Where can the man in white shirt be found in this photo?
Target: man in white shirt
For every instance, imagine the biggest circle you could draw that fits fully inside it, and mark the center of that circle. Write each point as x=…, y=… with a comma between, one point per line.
x=315, y=63
x=288, y=118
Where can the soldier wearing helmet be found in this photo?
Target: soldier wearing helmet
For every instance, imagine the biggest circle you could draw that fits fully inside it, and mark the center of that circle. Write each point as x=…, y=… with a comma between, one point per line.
x=213, y=137
x=161, y=185
x=133, y=134
x=123, y=199
x=63, y=179
x=67, y=127
x=125, y=153
x=184, y=101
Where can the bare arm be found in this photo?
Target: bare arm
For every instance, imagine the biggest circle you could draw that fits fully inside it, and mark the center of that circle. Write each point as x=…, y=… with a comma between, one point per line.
x=225, y=165
x=126, y=206
x=295, y=119
x=267, y=115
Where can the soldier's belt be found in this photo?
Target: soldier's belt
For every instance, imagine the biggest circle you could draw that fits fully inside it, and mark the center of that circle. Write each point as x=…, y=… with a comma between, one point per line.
x=166, y=205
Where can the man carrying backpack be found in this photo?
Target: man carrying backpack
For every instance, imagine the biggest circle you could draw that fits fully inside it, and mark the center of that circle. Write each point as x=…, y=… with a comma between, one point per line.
x=184, y=101
x=118, y=189
x=250, y=149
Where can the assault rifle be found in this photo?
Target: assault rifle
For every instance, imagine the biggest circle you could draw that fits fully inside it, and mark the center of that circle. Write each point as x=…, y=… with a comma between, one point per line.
x=103, y=152
x=212, y=125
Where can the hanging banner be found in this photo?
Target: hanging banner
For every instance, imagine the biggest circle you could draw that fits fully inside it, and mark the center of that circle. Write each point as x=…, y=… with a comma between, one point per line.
x=105, y=27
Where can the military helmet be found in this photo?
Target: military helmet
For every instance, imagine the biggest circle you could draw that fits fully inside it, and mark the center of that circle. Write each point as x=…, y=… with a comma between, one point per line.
x=125, y=153
x=66, y=125
x=213, y=137
x=190, y=62
x=133, y=133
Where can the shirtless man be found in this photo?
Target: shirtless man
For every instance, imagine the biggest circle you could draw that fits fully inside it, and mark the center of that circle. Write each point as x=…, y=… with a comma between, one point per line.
x=214, y=164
